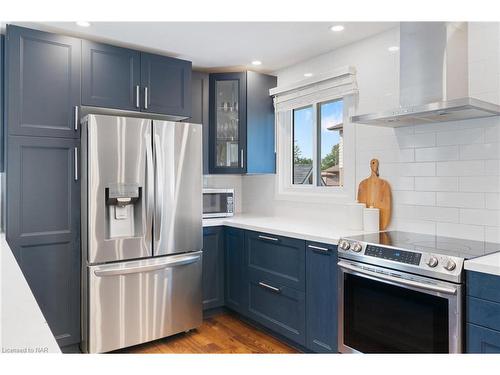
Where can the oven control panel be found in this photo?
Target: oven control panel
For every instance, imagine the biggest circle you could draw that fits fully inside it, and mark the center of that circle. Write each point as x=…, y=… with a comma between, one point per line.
x=396, y=255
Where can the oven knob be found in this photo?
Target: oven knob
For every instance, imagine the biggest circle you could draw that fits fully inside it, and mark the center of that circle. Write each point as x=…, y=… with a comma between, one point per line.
x=344, y=245
x=432, y=262
x=450, y=265
x=357, y=247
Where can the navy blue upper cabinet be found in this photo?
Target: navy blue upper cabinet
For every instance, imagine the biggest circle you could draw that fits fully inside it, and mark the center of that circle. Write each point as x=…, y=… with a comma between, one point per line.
x=213, y=267
x=122, y=78
x=110, y=76
x=321, y=297
x=43, y=80
x=227, y=123
x=241, y=123
x=235, y=289
x=167, y=85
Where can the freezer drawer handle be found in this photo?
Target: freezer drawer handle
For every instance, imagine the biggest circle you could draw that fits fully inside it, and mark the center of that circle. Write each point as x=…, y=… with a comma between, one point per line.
x=269, y=287
x=148, y=268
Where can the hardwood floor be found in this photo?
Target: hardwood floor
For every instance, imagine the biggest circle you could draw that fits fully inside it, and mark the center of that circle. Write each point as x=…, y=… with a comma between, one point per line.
x=221, y=333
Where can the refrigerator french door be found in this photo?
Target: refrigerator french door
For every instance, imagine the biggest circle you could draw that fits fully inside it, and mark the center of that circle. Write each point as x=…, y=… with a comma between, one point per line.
x=141, y=230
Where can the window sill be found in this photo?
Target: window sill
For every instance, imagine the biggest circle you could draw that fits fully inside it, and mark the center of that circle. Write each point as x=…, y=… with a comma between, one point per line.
x=315, y=195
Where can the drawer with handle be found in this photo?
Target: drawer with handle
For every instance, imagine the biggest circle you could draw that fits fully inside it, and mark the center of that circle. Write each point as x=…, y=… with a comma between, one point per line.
x=277, y=307
x=280, y=259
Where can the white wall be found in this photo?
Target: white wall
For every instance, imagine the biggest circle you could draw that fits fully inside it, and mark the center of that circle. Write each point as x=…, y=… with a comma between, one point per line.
x=445, y=177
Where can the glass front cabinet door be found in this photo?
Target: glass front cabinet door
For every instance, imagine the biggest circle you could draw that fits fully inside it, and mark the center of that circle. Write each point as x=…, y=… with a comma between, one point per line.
x=227, y=130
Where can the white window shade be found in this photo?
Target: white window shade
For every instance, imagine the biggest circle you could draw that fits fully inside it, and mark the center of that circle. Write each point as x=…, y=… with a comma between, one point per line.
x=335, y=84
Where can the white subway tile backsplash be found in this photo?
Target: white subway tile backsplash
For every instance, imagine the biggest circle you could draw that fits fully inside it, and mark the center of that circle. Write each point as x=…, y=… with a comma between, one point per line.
x=492, y=201
x=481, y=184
x=421, y=198
x=436, y=183
x=492, y=167
x=418, y=169
x=492, y=234
x=480, y=216
x=471, y=232
x=480, y=151
x=460, y=168
x=436, y=153
x=443, y=214
x=460, y=137
x=420, y=226
x=464, y=200
x=416, y=140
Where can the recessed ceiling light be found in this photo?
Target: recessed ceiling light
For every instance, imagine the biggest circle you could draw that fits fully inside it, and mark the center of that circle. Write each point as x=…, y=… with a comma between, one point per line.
x=83, y=23
x=308, y=74
x=337, y=28
x=393, y=48
x=256, y=62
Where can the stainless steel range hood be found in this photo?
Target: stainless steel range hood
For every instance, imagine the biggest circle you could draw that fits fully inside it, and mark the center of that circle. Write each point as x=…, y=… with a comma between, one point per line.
x=434, y=78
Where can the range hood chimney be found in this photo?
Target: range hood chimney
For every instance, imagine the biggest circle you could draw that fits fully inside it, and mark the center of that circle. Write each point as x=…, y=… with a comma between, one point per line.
x=434, y=78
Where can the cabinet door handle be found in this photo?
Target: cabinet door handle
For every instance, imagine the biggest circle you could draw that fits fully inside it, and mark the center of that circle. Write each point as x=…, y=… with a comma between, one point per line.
x=137, y=97
x=75, y=159
x=145, y=98
x=242, y=156
x=267, y=286
x=318, y=249
x=76, y=119
x=268, y=238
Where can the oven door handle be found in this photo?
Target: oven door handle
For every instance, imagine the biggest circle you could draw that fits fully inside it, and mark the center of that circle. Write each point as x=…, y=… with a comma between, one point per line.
x=397, y=280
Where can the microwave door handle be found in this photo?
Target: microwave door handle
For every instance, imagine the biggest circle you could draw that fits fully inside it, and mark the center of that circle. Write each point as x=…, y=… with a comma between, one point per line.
x=396, y=280
x=158, y=187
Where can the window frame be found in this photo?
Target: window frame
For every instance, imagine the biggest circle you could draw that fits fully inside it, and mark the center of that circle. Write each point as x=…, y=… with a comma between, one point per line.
x=285, y=189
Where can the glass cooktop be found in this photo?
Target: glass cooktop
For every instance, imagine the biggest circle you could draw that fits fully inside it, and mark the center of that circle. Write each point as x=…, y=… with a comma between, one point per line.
x=457, y=247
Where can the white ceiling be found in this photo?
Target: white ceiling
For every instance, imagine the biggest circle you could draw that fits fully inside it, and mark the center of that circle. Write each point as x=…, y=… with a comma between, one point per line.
x=226, y=45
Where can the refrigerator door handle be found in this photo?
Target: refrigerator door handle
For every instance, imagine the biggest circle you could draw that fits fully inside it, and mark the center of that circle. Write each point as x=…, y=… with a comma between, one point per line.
x=150, y=176
x=158, y=188
x=185, y=260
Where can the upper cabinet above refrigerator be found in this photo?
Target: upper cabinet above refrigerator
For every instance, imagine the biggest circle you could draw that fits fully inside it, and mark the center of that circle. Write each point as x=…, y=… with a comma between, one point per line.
x=121, y=78
x=241, y=123
x=42, y=83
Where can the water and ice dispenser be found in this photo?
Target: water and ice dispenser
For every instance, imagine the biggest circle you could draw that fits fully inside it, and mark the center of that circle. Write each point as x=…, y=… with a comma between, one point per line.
x=123, y=210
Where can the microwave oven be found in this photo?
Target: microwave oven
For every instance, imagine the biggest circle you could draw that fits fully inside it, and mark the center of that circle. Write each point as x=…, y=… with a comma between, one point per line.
x=218, y=203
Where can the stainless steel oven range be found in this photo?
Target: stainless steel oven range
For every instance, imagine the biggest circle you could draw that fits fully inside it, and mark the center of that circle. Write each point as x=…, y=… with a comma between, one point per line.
x=402, y=292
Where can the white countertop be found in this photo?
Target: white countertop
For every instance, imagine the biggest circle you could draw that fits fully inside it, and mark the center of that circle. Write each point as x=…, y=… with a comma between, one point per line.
x=486, y=264
x=319, y=231
x=23, y=328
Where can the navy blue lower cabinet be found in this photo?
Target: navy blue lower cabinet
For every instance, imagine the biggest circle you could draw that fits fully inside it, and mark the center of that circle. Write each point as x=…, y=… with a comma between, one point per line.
x=321, y=297
x=213, y=267
x=482, y=340
x=280, y=308
x=281, y=259
x=484, y=286
x=235, y=284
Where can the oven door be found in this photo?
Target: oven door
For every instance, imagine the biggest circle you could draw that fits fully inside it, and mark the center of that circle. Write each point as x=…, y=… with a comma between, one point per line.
x=387, y=311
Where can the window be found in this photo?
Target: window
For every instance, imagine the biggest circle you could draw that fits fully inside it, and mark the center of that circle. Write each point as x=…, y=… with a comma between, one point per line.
x=303, y=132
x=318, y=145
x=331, y=143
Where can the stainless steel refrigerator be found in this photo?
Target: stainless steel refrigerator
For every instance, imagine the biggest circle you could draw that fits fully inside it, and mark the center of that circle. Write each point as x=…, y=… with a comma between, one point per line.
x=141, y=230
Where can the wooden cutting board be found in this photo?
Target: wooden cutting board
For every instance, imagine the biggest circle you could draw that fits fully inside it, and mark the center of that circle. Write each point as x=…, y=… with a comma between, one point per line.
x=376, y=192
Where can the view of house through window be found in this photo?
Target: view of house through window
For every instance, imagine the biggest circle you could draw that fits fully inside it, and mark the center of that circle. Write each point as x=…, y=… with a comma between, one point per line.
x=328, y=130
x=303, y=132
x=331, y=147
